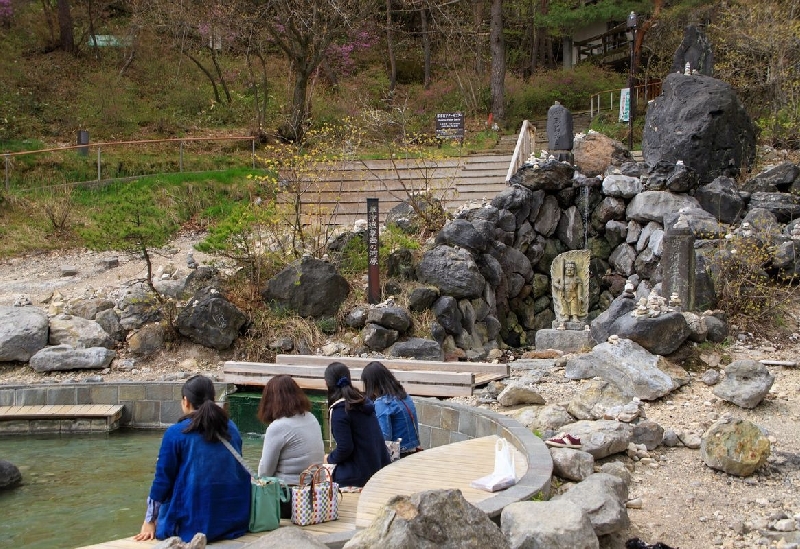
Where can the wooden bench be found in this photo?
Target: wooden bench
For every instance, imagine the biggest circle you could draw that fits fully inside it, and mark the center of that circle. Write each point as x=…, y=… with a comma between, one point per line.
x=484, y=371
x=67, y=418
x=418, y=383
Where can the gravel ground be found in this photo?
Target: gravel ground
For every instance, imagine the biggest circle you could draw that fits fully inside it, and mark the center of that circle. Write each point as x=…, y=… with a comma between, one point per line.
x=684, y=503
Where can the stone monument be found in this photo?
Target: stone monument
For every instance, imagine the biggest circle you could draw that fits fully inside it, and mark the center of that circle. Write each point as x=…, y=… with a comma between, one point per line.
x=694, y=55
x=678, y=263
x=569, y=273
x=560, y=133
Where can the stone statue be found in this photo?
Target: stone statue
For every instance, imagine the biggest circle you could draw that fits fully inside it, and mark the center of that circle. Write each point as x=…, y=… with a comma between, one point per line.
x=569, y=273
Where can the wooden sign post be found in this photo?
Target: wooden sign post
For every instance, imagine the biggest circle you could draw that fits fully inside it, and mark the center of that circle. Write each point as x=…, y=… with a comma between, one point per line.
x=373, y=245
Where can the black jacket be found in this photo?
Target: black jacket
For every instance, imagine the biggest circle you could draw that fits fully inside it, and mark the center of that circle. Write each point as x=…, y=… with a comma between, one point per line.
x=360, y=451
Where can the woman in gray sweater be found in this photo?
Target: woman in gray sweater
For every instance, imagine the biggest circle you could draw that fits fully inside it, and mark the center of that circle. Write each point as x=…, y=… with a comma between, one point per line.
x=293, y=440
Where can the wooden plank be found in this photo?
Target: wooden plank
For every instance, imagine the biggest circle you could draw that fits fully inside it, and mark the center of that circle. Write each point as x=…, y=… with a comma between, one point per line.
x=58, y=411
x=396, y=363
x=319, y=385
x=299, y=370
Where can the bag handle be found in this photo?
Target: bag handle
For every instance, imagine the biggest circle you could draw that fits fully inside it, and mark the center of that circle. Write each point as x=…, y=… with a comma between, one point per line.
x=283, y=490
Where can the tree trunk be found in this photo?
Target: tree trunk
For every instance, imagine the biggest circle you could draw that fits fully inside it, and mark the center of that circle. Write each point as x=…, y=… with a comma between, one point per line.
x=65, y=26
x=426, y=46
x=299, y=106
x=220, y=75
x=207, y=73
x=390, y=48
x=497, y=48
x=477, y=17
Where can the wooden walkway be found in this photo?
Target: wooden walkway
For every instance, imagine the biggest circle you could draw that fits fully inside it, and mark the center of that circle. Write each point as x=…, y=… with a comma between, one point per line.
x=419, y=377
x=60, y=418
x=450, y=466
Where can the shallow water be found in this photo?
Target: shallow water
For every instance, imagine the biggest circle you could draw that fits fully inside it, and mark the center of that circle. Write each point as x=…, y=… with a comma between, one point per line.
x=81, y=489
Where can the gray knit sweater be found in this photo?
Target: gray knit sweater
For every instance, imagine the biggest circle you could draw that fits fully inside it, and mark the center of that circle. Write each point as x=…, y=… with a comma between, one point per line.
x=291, y=444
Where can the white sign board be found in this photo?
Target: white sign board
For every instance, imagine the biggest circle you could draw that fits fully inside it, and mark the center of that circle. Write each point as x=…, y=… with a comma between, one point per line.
x=624, y=104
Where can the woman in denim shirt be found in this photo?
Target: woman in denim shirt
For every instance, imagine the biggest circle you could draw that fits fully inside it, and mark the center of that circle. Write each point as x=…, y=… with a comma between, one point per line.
x=396, y=412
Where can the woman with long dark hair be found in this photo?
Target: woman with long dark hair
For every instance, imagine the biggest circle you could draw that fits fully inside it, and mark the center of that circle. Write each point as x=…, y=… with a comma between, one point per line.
x=360, y=451
x=396, y=412
x=199, y=486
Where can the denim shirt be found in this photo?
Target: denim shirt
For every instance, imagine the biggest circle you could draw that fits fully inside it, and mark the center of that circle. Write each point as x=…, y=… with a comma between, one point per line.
x=396, y=423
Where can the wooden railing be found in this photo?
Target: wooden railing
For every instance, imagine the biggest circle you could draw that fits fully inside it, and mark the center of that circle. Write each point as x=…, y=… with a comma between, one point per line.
x=604, y=48
x=524, y=148
x=83, y=149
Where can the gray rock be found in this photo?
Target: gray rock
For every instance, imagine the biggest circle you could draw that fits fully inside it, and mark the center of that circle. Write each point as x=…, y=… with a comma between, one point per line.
x=453, y=271
x=23, y=332
x=746, y=383
x=434, y=519
x=65, y=357
x=735, y=446
x=9, y=475
x=310, y=286
x=622, y=186
x=78, y=332
x=147, y=340
x=421, y=299
x=595, y=398
x=571, y=464
x=784, y=206
x=602, y=497
x=557, y=524
x=648, y=433
x=286, y=536
x=417, y=348
x=661, y=335
x=721, y=199
x=378, y=338
x=394, y=318
x=461, y=233
x=515, y=394
x=653, y=205
x=209, y=319
x=625, y=364
x=601, y=438
x=699, y=120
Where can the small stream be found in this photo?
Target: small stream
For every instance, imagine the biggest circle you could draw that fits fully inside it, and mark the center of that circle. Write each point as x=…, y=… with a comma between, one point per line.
x=81, y=489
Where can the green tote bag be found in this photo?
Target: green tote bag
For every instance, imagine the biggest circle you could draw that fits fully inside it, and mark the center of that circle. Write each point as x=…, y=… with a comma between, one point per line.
x=266, y=494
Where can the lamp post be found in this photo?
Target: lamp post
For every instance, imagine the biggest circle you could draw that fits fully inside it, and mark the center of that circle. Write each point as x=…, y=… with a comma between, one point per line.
x=631, y=25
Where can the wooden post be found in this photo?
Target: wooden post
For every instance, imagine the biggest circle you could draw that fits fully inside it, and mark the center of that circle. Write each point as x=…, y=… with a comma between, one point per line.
x=373, y=246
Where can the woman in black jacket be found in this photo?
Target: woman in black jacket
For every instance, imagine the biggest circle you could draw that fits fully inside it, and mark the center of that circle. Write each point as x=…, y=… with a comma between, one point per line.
x=360, y=451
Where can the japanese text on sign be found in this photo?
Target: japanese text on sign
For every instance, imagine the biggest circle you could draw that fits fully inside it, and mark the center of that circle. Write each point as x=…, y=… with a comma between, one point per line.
x=450, y=125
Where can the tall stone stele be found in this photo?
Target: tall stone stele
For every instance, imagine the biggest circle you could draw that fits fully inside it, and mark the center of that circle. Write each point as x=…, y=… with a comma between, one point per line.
x=560, y=132
x=569, y=274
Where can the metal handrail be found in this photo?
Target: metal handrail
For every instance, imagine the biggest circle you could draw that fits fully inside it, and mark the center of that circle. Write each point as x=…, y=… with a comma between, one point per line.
x=523, y=149
x=648, y=91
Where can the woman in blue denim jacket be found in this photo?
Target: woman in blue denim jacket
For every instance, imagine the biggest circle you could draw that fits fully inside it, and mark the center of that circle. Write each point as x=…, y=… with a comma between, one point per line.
x=396, y=412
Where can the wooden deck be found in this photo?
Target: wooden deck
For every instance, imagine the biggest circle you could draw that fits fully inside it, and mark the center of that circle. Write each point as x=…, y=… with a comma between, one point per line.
x=450, y=466
x=57, y=418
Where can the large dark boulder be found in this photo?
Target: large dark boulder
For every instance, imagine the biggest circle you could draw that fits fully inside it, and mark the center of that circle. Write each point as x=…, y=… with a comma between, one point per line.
x=9, y=475
x=209, y=319
x=310, y=286
x=452, y=270
x=699, y=120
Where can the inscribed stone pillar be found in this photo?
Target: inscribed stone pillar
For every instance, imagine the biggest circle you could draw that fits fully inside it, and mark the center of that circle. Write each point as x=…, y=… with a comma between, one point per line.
x=694, y=52
x=560, y=134
x=678, y=263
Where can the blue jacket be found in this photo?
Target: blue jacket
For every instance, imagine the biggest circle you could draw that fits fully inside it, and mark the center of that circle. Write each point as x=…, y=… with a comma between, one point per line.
x=395, y=421
x=360, y=451
x=201, y=486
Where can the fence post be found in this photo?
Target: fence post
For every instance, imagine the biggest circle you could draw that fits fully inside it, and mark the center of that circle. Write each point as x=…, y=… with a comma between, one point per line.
x=253, y=152
x=180, y=160
x=98, y=162
x=8, y=188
